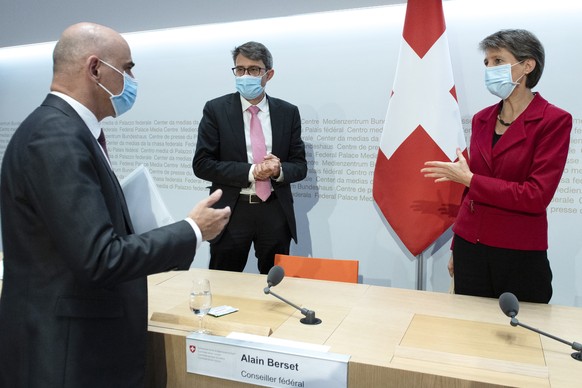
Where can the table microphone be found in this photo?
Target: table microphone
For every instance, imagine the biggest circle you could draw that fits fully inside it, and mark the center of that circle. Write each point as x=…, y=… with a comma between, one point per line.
x=276, y=274
x=510, y=307
x=274, y=277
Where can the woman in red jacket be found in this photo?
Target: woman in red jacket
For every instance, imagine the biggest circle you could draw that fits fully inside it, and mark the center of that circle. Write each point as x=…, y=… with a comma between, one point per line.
x=517, y=154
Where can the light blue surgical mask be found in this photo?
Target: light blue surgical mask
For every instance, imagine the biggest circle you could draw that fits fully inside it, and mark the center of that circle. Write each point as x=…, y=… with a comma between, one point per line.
x=249, y=87
x=499, y=81
x=123, y=101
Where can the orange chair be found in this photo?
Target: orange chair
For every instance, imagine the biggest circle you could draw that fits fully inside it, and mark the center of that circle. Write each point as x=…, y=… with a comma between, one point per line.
x=317, y=268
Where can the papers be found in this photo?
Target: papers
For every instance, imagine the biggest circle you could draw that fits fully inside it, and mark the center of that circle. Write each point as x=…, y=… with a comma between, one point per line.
x=219, y=311
x=146, y=207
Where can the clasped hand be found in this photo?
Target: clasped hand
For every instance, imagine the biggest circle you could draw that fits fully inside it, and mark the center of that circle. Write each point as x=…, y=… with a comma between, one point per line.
x=449, y=171
x=270, y=167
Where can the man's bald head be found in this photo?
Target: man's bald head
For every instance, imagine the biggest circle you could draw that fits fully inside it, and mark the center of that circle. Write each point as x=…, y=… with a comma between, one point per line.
x=80, y=41
x=78, y=69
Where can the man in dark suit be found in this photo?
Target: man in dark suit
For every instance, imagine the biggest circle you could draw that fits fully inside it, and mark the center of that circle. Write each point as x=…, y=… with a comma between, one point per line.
x=226, y=155
x=73, y=309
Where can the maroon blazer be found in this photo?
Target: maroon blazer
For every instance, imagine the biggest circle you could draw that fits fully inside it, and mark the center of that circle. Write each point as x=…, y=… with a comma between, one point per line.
x=514, y=181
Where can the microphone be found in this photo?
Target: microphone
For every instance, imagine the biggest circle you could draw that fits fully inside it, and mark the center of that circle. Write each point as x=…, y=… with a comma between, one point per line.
x=509, y=304
x=510, y=307
x=276, y=274
x=274, y=277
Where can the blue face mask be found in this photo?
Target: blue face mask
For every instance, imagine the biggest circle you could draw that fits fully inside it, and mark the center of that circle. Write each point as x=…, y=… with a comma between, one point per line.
x=123, y=101
x=249, y=87
x=499, y=81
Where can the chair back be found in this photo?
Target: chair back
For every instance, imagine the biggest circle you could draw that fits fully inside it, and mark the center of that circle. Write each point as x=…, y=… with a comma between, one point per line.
x=319, y=268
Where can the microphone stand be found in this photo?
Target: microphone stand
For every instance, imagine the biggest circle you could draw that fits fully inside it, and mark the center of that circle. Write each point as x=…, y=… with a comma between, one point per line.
x=574, y=345
x=309, y=319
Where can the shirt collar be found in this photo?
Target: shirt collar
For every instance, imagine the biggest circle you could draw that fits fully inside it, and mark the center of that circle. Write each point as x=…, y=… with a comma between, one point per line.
x=263, y=104
x=86, y=115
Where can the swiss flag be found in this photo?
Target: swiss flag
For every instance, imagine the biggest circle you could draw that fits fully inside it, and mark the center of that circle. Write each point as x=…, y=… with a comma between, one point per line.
x=423, y=123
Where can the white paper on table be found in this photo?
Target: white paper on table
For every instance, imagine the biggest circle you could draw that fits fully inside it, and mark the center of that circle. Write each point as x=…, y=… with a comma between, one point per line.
x=146, y=207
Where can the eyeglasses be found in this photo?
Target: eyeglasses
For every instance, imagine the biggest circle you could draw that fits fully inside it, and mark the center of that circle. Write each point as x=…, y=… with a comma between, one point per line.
x=253, y=71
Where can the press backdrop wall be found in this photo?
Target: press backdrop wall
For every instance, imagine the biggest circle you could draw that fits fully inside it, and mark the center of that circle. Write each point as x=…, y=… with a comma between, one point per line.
x=338, y=67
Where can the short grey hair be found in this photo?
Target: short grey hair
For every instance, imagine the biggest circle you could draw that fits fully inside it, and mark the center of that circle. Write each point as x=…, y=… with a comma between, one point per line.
x=255, y=51
x=523, y=45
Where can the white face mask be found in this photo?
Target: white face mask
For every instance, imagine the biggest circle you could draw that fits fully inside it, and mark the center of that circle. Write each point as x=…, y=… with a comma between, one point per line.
x=499, y=81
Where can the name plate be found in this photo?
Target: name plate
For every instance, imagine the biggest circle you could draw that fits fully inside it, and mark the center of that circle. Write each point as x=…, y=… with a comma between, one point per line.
x=265, y=364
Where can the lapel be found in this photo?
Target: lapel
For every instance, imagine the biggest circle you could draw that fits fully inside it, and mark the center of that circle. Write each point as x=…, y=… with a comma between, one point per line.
x=68, y=110
x=119, y=190
x=517, y=133
x=104, y=163
x=277, y=123
x=514, y=136
x=483, y=139
x=233, y=111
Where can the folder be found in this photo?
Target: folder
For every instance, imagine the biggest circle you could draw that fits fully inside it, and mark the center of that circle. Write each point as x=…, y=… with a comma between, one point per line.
x=146, y=206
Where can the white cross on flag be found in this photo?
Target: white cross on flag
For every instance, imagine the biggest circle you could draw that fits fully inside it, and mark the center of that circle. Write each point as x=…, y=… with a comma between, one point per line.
x=423, y=123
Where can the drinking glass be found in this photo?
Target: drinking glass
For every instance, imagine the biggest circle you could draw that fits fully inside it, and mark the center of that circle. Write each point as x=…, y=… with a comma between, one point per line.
x=200, y=301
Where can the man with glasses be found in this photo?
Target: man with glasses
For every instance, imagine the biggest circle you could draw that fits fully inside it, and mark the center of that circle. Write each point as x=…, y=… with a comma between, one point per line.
x=249, y=145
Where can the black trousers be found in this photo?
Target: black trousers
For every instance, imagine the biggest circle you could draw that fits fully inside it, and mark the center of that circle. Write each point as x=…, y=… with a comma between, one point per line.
x=262, y=224
x=482, y=270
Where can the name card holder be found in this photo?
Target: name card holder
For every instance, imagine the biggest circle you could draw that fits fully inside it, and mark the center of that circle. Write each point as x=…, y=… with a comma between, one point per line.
x=264, y=364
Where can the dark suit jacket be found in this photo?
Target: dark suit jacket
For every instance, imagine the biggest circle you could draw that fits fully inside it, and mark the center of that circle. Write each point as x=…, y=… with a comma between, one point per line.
x=73, y=310
x=221, y=153
x=514, y=181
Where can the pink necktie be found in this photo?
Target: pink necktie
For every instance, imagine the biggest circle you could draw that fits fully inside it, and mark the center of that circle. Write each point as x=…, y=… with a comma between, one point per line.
x=259, y=149
x=103, y=143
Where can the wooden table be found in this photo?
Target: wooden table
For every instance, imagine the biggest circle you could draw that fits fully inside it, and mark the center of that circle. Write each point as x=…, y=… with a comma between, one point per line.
x=395, y=337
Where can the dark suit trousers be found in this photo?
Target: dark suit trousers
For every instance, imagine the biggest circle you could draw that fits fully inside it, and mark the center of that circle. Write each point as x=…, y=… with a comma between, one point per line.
x=482, y=270
x=262, y=224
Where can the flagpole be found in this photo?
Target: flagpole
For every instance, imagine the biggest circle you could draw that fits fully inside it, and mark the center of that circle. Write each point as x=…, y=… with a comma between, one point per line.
x=420, y=272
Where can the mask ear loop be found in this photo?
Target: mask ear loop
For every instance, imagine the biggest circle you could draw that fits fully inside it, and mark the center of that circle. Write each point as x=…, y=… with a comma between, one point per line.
x=516, y=82
x=520, y=77
x=104, y=88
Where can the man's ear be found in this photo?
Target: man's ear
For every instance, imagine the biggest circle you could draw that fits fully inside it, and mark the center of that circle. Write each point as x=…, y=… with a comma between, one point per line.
x=93, y=65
